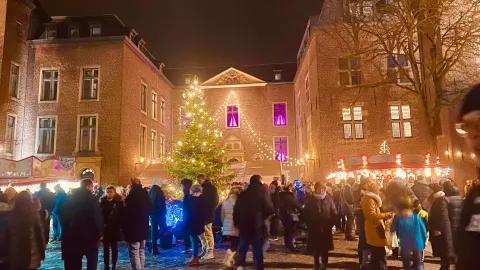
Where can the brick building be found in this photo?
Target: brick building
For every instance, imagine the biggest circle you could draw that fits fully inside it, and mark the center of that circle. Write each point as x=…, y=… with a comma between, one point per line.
x=254, y=106
x=343, y=111
x=95, y=94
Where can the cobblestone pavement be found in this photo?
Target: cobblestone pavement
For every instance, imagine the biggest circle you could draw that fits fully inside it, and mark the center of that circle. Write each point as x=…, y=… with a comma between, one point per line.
x=343, y=257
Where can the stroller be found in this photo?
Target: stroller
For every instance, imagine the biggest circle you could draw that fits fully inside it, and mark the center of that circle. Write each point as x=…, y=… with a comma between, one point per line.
x=301, y=237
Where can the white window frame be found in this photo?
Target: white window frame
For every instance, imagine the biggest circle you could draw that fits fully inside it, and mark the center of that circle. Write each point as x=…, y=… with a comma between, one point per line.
x=37, y=133
x=95, y=25
x=401, y=120
x=13, y=63
x=162, y=104
x=80, y=92
x=145, y=99
x=349, y=70
x=40, y=84
x=162, y=147
x=144, y=143
x=77, y=148
x=153, y=148
x=14, y=139
x=286, y=113
x=70, y=28
x=226, y=115
x=154, y=105
x=353, y=122
x=288, y=148
x=396, y=68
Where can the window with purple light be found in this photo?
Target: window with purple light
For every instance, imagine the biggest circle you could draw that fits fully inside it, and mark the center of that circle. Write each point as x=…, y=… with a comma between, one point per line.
x=280, y=114
x=281, y=152
x=232, y=117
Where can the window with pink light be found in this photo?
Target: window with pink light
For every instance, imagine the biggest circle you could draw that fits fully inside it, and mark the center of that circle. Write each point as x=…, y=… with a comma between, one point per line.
x=233, y=120
x=281, y=152
x=279, y=114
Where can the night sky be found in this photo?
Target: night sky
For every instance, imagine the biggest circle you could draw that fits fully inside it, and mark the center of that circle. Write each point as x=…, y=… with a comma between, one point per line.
x=196, y=33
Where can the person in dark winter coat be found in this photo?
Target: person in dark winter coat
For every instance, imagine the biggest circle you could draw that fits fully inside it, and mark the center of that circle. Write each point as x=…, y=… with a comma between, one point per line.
x=195, y=220
x=136, y=212
x=455, y=204
x=421, y=189
x=186, y=185
x=5, y=211
x=252, y=208
x=98, y=193
x=210, y=200
x=111, y=206
x=468, y=251
x=82, y=225
x=346, y=208
x=47, y=200
x=274, y=190
x=440, y=228
x=25, y=237
x=158, y=218
x=319, y=214
x=60, y=199
x=289, y=211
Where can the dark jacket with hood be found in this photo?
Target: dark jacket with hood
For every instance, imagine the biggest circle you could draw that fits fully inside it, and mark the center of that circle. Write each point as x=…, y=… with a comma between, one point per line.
x=440, y=227
x=253, y=207
x=82, y=222
x=159, y=207
x=210, y=200
x=288, y=204
x=135, y=215
x=319, y=215
x=111, y=212
x=47, y=199
x=194, y=222
x=421, y=190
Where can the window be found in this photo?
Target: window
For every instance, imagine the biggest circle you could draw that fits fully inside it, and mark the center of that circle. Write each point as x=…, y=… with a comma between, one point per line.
x=46, y=135
x=73, y=32
x=49, y=87
x=143, y=97
x=395, y=64
x=95, y=30
x=51, y=33
x=162, y=148
x=90, y=83
x=352, y=123
x=10, y=134
x=279, y=114
x=281, y=149
x=143, y=134
x=153, y=144
x=401, y=124
x=361, y=8
x=18, y=30
x=232, y=117
x=350, y=71
x=307, y=89
x=162, y=111
x=154, y=105
x=14, y=74
x=88, y=134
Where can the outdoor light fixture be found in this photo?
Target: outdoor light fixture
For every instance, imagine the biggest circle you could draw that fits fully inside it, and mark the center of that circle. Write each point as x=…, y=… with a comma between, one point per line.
x=142, y=160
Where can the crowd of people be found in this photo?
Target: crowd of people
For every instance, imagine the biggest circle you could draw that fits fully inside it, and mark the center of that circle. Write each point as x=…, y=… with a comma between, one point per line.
x=391, y=218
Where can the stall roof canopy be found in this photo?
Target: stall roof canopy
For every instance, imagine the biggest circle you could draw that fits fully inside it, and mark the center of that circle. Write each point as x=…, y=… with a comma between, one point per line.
x=153, y=171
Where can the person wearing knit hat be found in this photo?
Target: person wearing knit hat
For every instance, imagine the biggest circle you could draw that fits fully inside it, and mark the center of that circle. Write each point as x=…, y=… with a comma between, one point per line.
x=468, y=248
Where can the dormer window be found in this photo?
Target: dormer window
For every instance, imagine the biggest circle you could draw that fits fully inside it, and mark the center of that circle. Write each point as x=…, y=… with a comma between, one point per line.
x=95, y=30
x=141, y=43
x=51, y=33
x=278, y=75
x=73, y=32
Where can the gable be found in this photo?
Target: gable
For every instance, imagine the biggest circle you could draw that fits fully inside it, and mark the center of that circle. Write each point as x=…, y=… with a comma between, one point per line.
x=232, y=77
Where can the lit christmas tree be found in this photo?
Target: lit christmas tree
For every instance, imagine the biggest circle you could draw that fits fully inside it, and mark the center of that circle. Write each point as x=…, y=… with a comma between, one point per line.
x=199, y=149
x=385, y=149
